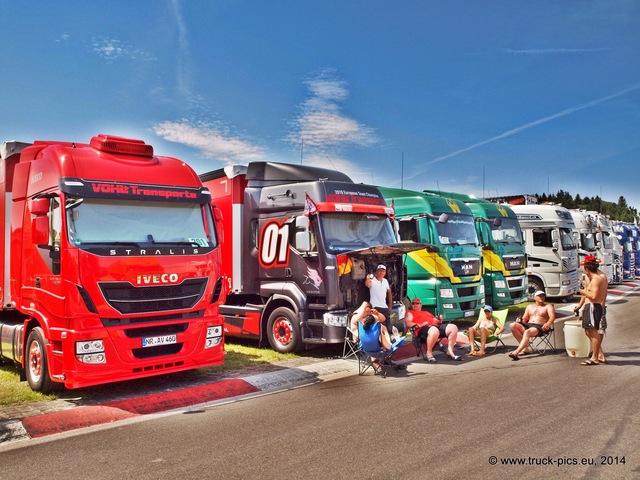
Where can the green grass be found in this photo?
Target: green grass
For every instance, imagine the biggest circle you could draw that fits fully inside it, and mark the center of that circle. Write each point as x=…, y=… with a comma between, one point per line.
x=15, y=392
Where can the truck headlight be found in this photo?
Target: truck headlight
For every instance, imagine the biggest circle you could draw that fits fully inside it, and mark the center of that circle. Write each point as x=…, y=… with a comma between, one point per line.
x=446, y=293
x=214, y=336
x=447, y=305
x=500, y=284
x=90, y=351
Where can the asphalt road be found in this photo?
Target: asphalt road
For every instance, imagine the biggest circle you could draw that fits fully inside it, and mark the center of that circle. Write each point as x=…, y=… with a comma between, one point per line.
x=543, y=416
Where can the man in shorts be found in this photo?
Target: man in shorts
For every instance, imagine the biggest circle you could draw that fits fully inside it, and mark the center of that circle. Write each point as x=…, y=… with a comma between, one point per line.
x=537, y=318
x=430, y=329
x=595, y=296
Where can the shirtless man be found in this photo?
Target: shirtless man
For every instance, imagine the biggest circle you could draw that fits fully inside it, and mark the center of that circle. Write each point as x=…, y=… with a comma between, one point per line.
x=537, y=318
x=595, y=295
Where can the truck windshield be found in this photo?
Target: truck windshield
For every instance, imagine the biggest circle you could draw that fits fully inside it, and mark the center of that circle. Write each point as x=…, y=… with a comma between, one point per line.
x=587, y=241
x=508, y=232
x=113, y=221
x=607, y=240
x=459, y=230
x=353, y=231
x=567, y=240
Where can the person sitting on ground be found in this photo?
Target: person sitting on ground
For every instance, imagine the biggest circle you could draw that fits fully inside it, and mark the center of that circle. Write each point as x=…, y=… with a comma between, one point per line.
x=537, y=318
x=485, y=326
x=368, y=316
x=430, y=329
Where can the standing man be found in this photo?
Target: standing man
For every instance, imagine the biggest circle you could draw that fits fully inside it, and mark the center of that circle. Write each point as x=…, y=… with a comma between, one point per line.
x=380, y=292
x=595, y=296
x=536, y=319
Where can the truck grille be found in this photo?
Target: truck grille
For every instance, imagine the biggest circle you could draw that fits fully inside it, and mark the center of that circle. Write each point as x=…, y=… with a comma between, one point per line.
x=127, y=299
x=514, y=262
x=464, y=266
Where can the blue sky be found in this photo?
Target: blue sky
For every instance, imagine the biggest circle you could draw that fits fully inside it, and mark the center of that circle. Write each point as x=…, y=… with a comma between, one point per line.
x=480, y=97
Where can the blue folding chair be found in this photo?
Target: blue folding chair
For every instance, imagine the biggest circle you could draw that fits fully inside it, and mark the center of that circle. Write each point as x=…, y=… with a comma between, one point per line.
x=371, y=354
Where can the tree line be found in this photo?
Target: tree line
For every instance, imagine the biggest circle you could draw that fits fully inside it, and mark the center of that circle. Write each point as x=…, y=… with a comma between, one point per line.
x=617, y=211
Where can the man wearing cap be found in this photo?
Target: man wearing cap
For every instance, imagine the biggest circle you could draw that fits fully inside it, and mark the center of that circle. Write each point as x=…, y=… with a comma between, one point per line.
x=485, y=326
x=380, y=292
x=594, y=296
x=536, y=319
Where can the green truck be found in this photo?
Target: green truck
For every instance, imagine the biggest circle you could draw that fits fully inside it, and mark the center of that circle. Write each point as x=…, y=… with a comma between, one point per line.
x=447, y=275
x=503, y=250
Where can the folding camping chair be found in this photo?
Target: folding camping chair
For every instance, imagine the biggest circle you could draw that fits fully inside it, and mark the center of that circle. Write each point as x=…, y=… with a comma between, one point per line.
x=543, y=341
x=501, y=317
x=350, y=347
x=371, y=353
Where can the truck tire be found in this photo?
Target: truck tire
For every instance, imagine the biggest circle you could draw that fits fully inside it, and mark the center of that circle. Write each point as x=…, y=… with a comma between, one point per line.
x=534, y=286
x=283, y=331
x=37, y=363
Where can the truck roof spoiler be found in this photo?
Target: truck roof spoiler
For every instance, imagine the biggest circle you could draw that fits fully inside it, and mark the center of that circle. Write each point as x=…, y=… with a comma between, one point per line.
x=12, y=147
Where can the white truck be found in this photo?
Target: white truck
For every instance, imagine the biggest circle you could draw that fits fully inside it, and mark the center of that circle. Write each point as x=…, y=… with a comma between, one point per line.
x=607, y=242
x=589, y=242
x=552, y=252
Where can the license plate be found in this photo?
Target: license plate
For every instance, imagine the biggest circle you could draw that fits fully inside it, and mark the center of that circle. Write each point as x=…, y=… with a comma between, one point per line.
x=469, y=314
x=162, y=340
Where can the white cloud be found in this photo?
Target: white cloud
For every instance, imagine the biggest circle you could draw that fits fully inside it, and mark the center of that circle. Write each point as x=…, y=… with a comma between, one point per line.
x=213, y=143
x=112, y=49
x=554, y=51
x=321, y=125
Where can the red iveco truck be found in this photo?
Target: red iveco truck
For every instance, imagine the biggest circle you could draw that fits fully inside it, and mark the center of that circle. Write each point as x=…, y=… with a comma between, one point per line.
x=299, y=242
x=111, y=263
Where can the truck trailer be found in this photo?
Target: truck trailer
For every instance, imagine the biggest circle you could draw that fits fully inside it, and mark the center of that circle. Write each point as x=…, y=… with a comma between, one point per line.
x=503, y=250
x=552, y=252
x=625, y=238
x=447, y=274
x=111, y=262
x=301, y=240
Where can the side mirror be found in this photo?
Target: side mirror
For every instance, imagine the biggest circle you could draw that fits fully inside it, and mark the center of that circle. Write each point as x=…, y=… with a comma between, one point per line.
x=302, y=235
x=497, y=221
x=40, y=230
x=554, y=240
x=39, y=206
x=443, y=218
x=217, y=216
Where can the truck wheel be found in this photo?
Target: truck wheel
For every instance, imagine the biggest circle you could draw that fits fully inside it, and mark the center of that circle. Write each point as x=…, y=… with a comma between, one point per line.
x=37, y=363
x=283, y=331
x=534, y=286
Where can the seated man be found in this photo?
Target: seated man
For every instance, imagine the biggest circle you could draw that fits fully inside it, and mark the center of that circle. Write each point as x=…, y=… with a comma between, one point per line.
x=537, y=318
x=430, y=329
x=485, y=326
x=367, y=315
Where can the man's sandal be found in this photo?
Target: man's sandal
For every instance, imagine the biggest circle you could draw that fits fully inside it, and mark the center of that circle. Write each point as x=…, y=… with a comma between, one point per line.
x=589, y=363
x=431, y=360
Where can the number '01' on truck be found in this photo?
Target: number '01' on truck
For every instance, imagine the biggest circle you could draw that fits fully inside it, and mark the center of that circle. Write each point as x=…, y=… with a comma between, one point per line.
x=106, y=278
x=299, y=243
